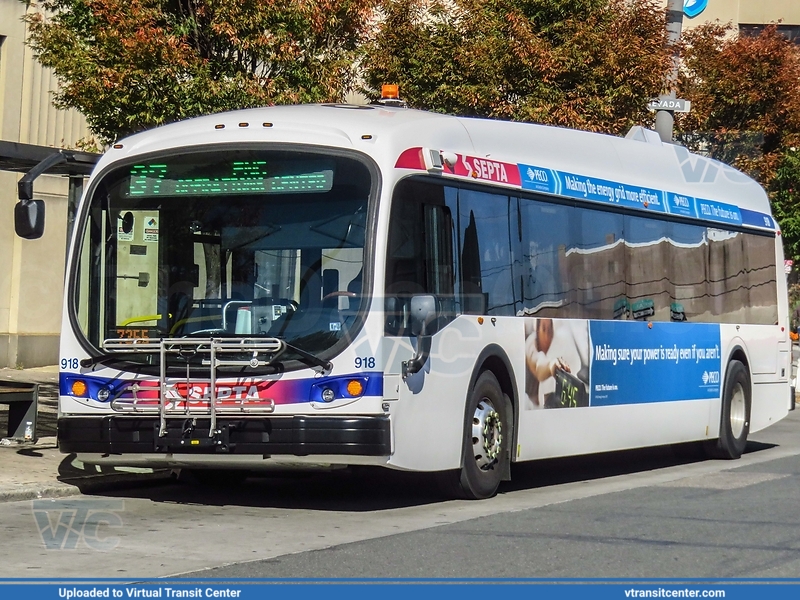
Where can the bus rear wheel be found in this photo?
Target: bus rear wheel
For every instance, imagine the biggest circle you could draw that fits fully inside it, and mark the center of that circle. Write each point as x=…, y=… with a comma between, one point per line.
x=735, y=414
x=486, y=438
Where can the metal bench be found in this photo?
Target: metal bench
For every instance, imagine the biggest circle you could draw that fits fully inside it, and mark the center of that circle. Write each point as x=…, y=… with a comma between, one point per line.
x=22, y=400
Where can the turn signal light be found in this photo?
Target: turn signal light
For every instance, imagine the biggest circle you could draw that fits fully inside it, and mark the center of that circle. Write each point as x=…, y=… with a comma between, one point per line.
x=78, y=388
x=355, y=387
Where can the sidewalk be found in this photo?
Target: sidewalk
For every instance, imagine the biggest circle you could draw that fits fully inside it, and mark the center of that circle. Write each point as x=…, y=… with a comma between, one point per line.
x=38, y=470
x=32, y=470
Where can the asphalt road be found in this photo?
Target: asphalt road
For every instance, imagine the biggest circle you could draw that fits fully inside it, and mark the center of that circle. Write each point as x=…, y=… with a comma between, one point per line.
x=628, y=515
x=649, y=513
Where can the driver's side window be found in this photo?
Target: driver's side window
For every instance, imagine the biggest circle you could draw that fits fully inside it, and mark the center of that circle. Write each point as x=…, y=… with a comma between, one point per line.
x=421, y=253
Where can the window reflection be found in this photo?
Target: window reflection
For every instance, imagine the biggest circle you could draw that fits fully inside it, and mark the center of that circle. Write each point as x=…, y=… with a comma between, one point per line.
x=530, y=257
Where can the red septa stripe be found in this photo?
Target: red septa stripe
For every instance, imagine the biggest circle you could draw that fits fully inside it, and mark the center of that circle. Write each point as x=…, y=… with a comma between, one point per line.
x=466, y=166
x=410, y=159
x=487, y=170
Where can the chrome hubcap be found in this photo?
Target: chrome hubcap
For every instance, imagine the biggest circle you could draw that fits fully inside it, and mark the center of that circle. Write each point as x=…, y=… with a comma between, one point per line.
x=487, y=434
x=738, y=412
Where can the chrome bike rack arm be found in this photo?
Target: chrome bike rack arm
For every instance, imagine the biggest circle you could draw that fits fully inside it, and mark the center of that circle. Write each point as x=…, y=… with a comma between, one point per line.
x=259, y=352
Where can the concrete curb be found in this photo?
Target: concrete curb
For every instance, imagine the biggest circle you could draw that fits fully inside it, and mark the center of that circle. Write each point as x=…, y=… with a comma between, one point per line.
x=84, y=485
x=34, y=470
x=59, y=490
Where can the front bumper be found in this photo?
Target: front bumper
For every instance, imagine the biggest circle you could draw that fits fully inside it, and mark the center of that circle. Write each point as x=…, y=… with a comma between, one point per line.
x=290, y=435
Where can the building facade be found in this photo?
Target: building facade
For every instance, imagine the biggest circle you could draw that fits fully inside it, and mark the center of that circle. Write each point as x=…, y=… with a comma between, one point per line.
x=751, y=16
x=31, y=272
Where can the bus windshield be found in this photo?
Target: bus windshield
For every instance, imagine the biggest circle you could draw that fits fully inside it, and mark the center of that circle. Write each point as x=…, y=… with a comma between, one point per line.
x=225, y=243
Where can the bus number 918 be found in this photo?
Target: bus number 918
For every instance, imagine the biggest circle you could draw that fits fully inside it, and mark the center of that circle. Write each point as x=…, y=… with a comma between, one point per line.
x=366, y=362
x=69, y=363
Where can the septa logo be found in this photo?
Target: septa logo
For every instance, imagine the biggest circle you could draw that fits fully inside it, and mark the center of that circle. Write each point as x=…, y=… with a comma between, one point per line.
x=244, y=390
x=487, y=169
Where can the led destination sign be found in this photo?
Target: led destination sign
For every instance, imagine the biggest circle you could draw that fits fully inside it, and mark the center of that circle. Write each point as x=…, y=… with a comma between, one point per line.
x=230, y=178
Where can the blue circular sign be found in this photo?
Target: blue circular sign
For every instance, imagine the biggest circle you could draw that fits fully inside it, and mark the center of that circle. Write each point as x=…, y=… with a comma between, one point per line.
x=692, y=8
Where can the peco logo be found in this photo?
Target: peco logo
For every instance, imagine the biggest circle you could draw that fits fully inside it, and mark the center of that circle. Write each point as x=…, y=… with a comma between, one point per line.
x=539, y=175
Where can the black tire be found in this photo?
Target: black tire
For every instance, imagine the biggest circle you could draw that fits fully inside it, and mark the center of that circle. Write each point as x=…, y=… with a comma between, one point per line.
x=735, y=414
x=486, y=439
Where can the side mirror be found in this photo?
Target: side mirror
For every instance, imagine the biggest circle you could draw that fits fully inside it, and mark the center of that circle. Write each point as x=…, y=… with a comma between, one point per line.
x=29, y=219
x=423, y=313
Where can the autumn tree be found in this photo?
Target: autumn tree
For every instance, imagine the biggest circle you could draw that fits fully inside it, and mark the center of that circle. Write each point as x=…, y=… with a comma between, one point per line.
x=588, y=64
x=745, y=93
x=133, y=64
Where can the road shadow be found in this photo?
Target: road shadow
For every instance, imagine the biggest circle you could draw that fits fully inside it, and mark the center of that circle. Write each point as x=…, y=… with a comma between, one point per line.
x=362, y=489
x=99, y=480
x=369, y=489
x=557, y=471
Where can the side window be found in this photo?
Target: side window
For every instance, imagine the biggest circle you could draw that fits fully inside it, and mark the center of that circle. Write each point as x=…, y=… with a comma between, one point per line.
x=742, y=286
x=421, y=257
x=688, y=260
x=485, y=234
x=545, y=233
x=727, y=286
x=439, y=265
x=596, y=260
x=761, y=284
x=648, y=270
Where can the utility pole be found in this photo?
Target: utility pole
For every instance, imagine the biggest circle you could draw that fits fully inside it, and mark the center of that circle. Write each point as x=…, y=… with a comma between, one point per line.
x=666, y=118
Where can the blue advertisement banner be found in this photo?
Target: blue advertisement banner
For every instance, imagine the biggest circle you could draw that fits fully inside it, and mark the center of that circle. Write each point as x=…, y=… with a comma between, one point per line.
x=678, y=204
x=539, y=179
x=637, y=362
x=581, y=187
x=717, y=211
x=757, y=219
x=522, y=589
x=610, y=192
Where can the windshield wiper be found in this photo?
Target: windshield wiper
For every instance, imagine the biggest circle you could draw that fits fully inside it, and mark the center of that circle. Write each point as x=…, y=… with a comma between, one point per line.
x=105, y=357
x=326, y=365
x=111, y=357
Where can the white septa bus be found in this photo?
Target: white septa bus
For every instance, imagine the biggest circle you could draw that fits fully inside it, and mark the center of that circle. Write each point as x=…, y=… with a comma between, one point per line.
x=381, y=286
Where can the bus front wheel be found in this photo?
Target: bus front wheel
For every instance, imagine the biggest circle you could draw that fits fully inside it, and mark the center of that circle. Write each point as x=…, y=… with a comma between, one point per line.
x=486, y=438
x=735, y=417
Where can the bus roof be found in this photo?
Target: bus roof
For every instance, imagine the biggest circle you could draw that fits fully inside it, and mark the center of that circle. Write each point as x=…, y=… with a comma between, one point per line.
x=640, y=172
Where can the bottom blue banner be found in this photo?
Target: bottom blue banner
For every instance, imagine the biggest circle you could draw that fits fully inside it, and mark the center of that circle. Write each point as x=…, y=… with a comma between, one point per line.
x=400, y=589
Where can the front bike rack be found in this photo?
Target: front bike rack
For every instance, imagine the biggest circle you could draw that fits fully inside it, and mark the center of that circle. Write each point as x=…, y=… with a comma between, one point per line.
x=220, y=352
